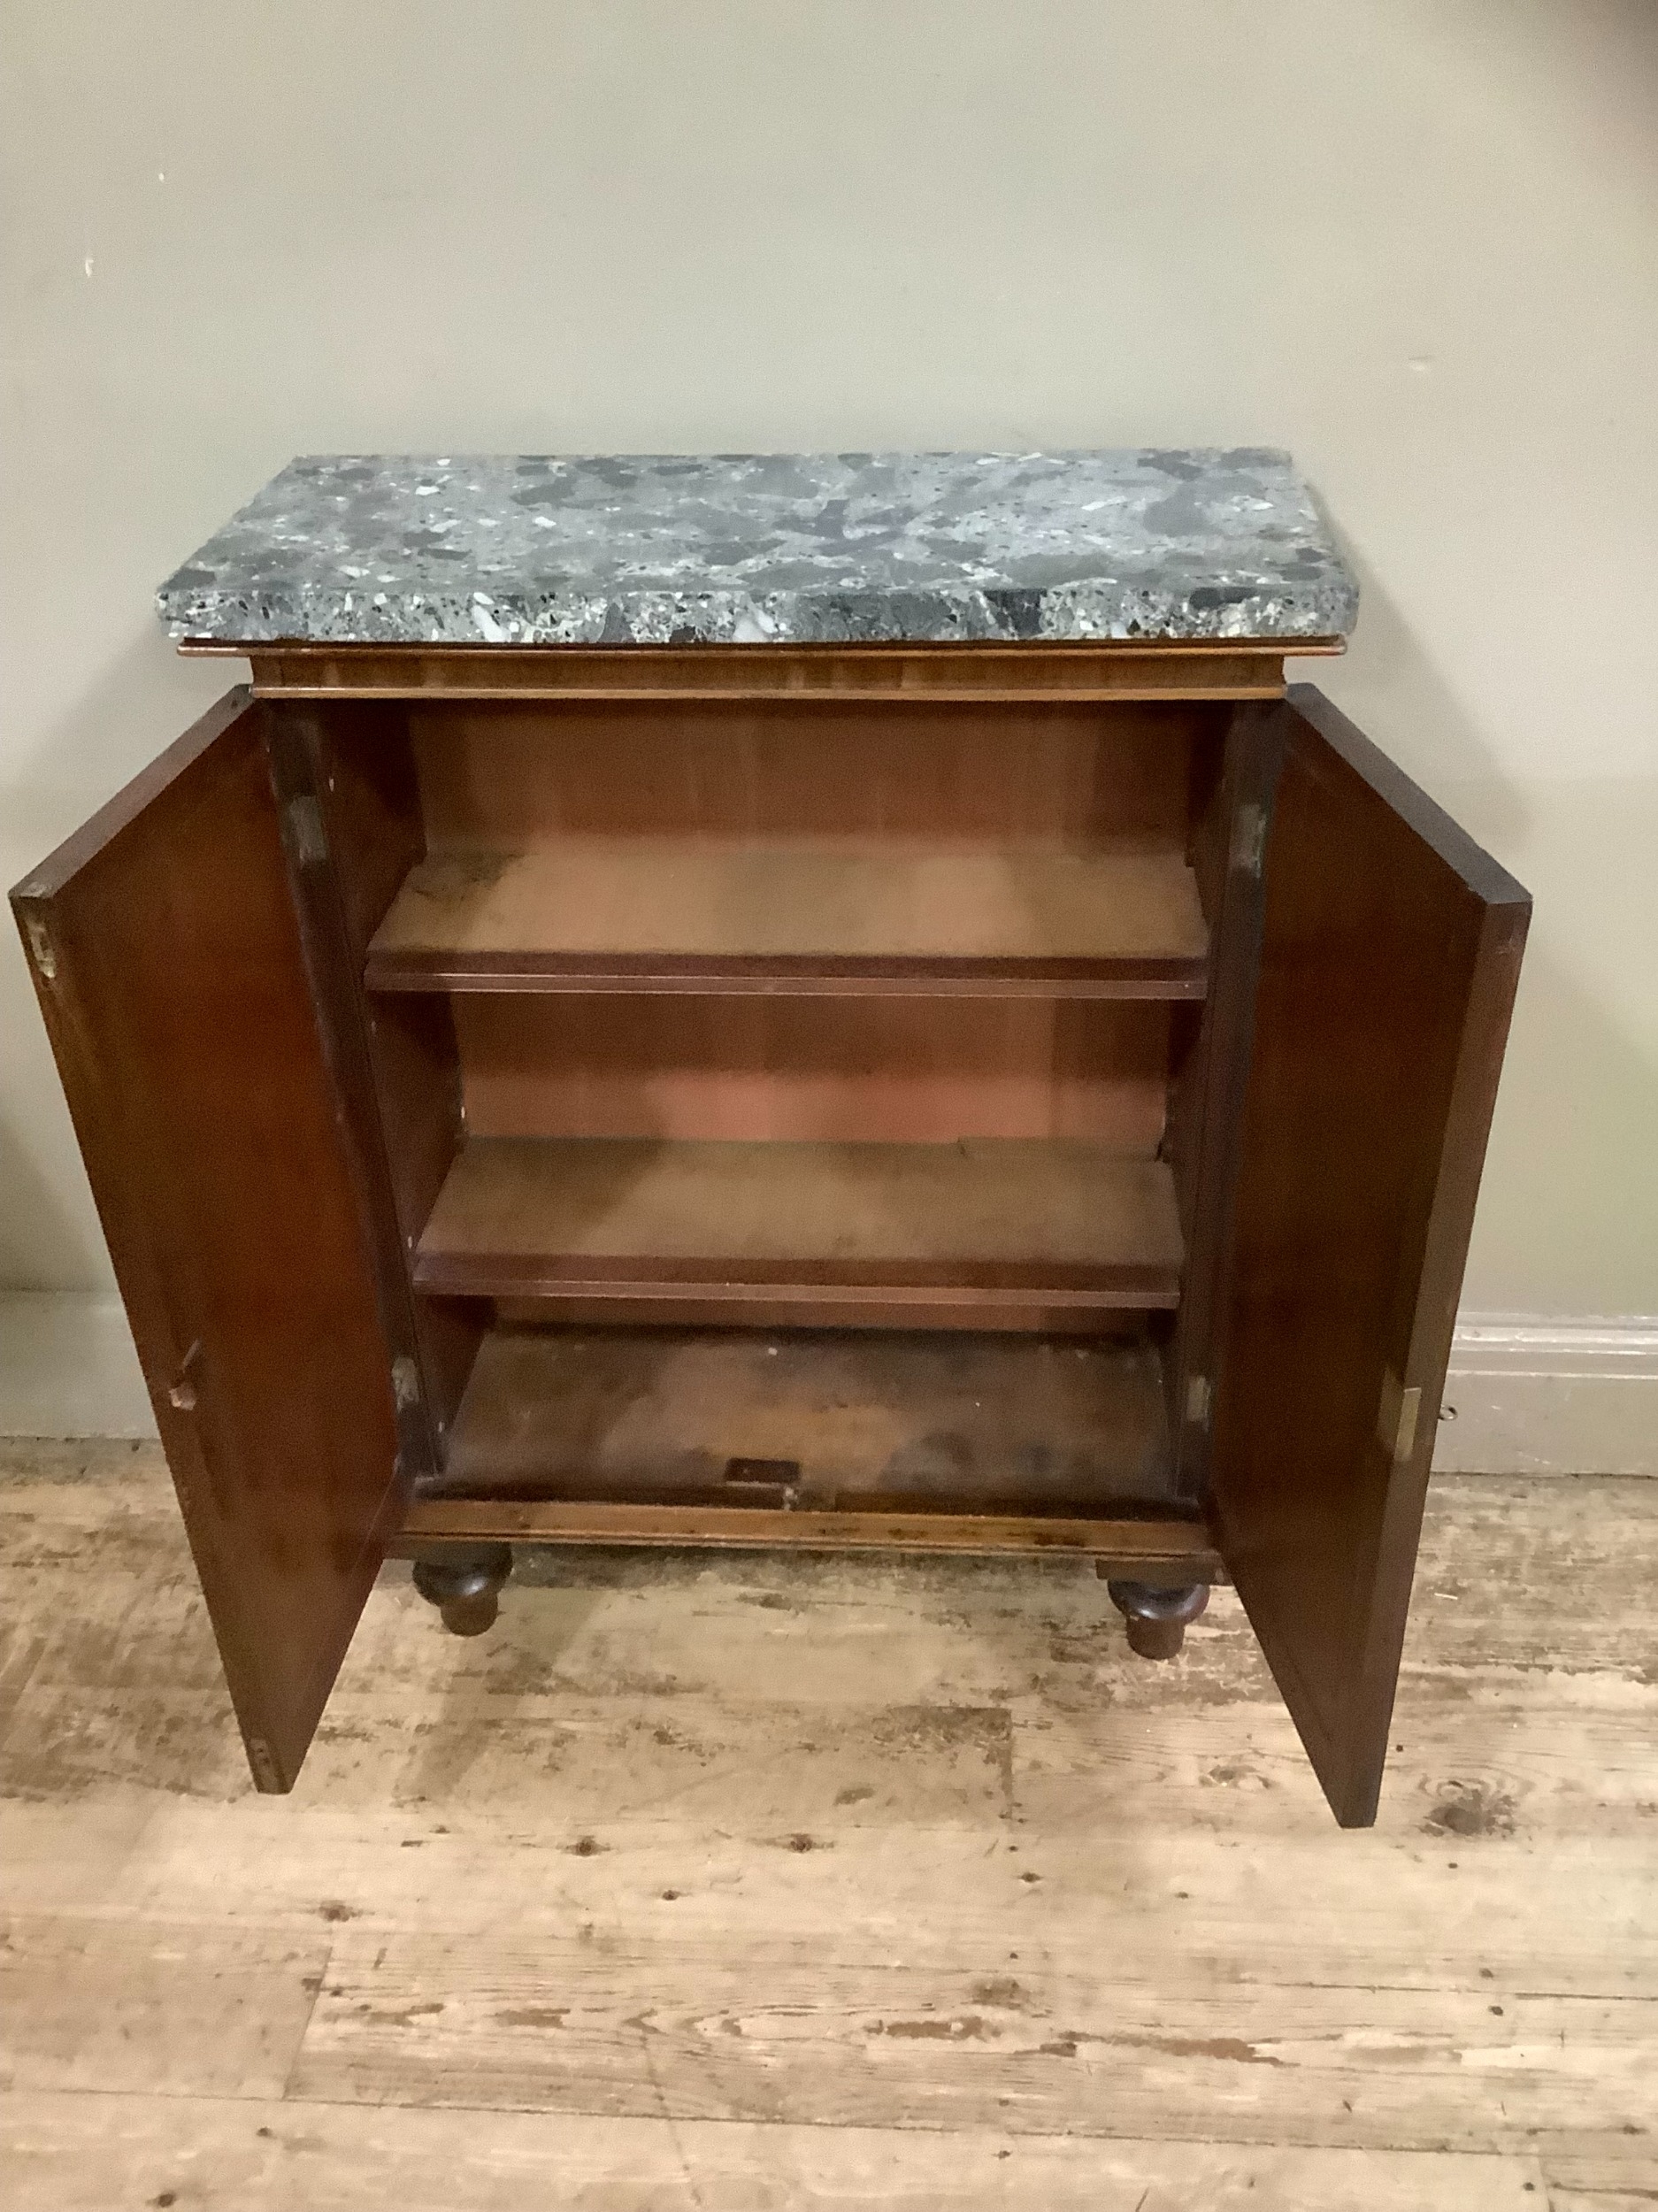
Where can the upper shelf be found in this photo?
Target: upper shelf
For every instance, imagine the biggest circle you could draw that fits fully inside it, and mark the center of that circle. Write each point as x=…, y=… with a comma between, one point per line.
x=661, y=914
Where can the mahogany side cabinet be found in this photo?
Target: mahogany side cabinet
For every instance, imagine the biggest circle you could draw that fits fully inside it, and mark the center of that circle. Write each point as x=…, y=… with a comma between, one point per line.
x=992, y=1095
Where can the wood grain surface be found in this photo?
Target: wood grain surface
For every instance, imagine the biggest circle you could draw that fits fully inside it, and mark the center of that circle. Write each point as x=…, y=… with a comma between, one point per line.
x=901, y=1069
x=985, y=1424
x=1024, y=773
x=1389, y=949
x=649, y=913
x=234, y=1183
x=744, y=1880
x=1198, y=669
x=1003, y=1217
x=920, y=795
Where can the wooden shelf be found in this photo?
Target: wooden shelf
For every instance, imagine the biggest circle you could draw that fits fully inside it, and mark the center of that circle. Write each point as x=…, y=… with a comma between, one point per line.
x=670, y=914
x=806, y=1422
x=989, y=1223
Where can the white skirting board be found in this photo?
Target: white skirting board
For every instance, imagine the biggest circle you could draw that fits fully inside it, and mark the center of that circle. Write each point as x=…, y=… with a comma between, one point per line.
x=67, y=1367
x=1526, y=1395
x=1529, y=1396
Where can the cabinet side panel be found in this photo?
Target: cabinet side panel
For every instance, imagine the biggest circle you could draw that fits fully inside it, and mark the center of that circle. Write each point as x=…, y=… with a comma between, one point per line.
x=167, y=958
x=1389, y=947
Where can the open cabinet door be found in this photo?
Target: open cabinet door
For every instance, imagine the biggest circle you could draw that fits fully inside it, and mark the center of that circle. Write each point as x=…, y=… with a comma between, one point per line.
x=1386, y=949
x=169, y=964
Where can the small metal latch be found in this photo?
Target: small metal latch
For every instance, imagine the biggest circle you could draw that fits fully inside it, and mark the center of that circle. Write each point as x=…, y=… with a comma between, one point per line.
x=1248, y=838
x=1397, y=1416
x=181, y=1394
x=303, y=819
x=1198, y=1395
x=774, y=1482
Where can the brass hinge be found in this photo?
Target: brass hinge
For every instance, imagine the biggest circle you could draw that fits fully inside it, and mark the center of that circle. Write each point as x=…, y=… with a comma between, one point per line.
x=41, y=946
x=1248, y=838
x=264, y=1764
x=1198, y=1396
x=184, y=1390
x=1397, y=1416
x=302, y=831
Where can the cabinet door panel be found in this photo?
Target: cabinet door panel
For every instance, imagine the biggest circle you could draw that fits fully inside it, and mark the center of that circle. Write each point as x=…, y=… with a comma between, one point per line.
x=1388, y=950
x=168, y=961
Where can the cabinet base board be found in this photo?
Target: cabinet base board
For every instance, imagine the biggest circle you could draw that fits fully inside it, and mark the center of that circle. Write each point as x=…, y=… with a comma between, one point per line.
x=1145, y=1550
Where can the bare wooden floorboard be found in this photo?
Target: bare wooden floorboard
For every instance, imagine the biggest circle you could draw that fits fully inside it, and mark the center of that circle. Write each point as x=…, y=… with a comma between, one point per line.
x=1618, y=2176
x=1060, y=2047
x=140, y=2003
x=733, y=1880
x=1490, y=1925
x=60, y=2154
x=1476, y=1761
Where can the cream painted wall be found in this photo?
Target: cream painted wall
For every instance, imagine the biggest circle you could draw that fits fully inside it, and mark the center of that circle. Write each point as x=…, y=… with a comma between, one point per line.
x=1416, y=240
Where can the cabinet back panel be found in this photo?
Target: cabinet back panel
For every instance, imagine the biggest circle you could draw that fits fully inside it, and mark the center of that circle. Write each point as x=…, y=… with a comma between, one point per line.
x=516, y=778
x=901, y=1069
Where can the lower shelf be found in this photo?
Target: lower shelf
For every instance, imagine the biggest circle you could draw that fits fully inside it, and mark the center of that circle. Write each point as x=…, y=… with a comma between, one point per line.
x=1000, y=1222
x=720, y=1425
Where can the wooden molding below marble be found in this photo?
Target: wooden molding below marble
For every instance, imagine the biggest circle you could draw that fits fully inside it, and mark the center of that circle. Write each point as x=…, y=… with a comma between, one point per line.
x=1209, y=668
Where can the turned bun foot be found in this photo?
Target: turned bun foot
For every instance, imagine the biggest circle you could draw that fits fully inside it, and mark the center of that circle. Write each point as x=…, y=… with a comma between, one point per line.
x=1158, y=1617
x=464, y=1584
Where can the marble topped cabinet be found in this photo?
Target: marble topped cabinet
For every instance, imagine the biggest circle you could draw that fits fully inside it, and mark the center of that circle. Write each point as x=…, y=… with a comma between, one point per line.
x=834, y=1000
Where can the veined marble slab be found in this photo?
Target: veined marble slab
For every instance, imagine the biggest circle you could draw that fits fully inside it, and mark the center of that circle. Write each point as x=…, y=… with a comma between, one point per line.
x=754, y=548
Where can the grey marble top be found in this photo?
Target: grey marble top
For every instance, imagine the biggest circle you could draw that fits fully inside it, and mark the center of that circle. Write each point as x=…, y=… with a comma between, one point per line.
x=831, y=547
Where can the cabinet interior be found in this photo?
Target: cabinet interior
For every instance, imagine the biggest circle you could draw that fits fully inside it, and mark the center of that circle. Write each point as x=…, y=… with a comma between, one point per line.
x=788, y=1103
